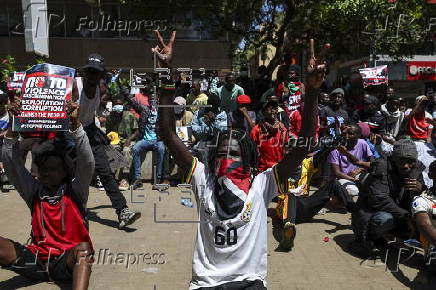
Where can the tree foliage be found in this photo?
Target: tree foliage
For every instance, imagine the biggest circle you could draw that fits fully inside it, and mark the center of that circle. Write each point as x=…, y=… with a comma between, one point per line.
x=354, y=27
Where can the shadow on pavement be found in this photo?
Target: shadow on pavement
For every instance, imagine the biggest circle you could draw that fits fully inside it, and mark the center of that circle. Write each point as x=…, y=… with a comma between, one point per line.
x=92, y=216
x=339, y=227
x=16, y=282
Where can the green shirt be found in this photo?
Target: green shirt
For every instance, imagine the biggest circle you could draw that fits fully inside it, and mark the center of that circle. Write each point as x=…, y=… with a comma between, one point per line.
x=124, y=126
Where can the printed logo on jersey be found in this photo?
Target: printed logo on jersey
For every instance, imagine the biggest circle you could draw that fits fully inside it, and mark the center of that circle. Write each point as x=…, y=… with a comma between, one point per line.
x=246, y=215
x=209, y=211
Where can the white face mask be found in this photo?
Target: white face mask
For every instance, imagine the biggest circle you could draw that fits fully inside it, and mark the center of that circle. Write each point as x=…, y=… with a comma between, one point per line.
x=118, y=108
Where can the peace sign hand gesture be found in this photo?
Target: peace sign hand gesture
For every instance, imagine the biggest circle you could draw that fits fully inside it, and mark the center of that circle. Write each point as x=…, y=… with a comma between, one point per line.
x=316, y=66
x=164, y=52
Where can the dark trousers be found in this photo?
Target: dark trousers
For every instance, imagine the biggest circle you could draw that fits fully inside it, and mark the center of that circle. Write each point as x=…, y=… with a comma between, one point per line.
x=302, y=209
x=107, y=178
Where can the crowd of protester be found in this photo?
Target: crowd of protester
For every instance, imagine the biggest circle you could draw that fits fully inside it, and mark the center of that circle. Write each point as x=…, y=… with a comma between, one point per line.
x=372, y=154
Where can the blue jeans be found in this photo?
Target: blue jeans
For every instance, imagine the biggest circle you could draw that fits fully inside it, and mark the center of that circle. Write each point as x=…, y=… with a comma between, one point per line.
x=380, y=224
x=145, y=146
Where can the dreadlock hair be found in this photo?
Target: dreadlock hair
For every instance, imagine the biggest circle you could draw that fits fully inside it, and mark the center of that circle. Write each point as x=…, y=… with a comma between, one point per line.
x=248, y=149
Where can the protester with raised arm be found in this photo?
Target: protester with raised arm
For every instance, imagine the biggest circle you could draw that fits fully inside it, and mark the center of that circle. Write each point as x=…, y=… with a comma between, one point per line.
x=60, y=247
x=231, y=246
x=89, y=95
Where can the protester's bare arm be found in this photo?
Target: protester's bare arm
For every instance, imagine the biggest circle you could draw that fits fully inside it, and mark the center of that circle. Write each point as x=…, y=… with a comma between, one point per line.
x=340, y=175
x=425, y=226
x=166, y=118
x=353, y=159
x=21, y=178
x=167, y=130
x=315, y=74
x=430, y=132
x=131, y=138
x=244, y=112
x=419, y=106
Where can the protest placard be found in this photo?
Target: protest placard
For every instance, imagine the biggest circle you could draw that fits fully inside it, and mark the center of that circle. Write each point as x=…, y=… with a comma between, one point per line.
x=373, y=76
x=44, y=95
x=15, y=80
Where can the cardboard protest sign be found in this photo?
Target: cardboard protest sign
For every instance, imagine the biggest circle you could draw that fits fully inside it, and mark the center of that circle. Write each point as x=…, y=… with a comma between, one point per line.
x=44, y=95
x=15, y=80
x=373, y=76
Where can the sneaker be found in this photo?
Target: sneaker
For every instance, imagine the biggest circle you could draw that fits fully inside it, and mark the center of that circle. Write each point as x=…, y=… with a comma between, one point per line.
x=136, y=184
x=160, y=187
x=98, y=183
x=289, y=233
x=124, y=185
x=127, y=217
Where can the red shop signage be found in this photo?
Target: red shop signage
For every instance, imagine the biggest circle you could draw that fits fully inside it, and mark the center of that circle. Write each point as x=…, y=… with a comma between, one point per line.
x=421, y=70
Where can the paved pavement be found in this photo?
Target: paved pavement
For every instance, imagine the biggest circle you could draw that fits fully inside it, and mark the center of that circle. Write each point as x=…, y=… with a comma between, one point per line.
x=159, y=252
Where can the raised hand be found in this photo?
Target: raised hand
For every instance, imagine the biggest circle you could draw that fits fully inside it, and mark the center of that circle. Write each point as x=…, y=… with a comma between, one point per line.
x=73, y=113
x=14, y=107
x=164, y=52
x=316, y=66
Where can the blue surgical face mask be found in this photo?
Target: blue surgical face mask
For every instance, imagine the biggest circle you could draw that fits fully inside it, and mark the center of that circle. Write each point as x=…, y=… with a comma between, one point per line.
x=118, y=108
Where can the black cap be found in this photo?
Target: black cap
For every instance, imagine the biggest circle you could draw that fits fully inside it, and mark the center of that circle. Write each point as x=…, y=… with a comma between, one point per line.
x=95, y=61
x=271, y=103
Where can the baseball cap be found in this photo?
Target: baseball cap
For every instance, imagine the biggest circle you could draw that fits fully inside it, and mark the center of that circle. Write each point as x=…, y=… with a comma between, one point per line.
x=180, y=101
x=337, y=91
x=271, y=103
x=114, y=138
x=419, y=98
x=95, y=61
x=243, y=99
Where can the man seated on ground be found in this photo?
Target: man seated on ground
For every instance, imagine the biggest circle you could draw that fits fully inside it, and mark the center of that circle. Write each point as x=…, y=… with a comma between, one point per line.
x=147, y=141
x=424, y=214
x=305, y=205
x=122, y=125
x=347, y=162
x=385, y=197
x=60, y=249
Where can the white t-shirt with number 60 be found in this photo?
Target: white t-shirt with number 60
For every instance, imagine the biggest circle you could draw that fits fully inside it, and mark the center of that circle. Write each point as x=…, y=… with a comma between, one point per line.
x=236, y=249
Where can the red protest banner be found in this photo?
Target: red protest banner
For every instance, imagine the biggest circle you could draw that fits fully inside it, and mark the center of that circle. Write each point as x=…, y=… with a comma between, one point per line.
x=44, y=94
x=15, y=80
x=373, y=76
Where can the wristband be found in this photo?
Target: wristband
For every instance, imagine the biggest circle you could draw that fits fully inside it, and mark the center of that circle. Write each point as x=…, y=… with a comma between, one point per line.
x=169, y=87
